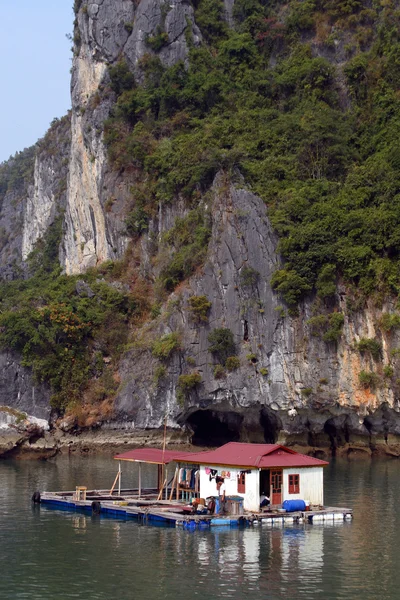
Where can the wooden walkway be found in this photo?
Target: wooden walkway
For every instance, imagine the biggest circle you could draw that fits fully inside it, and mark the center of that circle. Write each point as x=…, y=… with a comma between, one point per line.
x=148, y=510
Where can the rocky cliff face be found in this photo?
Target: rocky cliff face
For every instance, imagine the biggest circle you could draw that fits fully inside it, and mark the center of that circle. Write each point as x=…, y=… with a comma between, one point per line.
x=33, y=193
x=109, y=31
x=46, y=196
x=290, y=384
x=17, y=388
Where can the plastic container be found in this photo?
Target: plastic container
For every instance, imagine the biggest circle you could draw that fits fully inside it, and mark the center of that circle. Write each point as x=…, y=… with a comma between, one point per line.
x=234, y=505
x=293, y=505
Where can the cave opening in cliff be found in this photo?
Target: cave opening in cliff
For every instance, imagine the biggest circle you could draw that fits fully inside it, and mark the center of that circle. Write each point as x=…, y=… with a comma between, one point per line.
x=338, y=433
x=215, y=428
x=330, y=429
x=271, y=425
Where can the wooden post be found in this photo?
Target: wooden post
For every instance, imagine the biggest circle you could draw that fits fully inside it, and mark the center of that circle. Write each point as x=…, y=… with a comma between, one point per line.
x=173, y=484
x=161, y=490
x=114, y=484
x=166, y=479
x=140, y=479
x=119, y=479
x=159, y=477
x=163, y=452
x=177, y=482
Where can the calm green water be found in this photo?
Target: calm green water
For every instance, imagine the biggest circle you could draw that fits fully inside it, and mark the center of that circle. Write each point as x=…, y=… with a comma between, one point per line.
x=49, y=554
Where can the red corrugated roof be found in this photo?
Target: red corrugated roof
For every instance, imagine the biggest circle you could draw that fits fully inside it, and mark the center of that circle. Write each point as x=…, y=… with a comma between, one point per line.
x=152, y=455
x=280, y=458
x=263, y=456
x=252, y=455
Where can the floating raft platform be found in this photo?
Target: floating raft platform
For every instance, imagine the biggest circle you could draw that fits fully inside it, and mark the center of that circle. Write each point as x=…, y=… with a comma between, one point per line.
x=149, y=510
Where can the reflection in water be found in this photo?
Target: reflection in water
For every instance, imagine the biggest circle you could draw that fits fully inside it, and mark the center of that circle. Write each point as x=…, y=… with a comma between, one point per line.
x=260, y=562
x=59, y=554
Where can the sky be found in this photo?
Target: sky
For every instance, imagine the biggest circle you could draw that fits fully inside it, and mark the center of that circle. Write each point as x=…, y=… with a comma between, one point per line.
x=35, y=69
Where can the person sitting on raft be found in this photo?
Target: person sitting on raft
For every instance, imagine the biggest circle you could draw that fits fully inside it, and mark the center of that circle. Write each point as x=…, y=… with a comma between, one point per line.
x=264, y=500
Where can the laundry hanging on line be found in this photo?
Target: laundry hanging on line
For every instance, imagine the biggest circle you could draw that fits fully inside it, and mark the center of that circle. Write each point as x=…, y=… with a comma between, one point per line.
x=189, y=478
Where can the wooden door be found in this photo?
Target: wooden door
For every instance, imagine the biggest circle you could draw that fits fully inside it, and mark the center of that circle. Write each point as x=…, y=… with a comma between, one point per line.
x=276, y=487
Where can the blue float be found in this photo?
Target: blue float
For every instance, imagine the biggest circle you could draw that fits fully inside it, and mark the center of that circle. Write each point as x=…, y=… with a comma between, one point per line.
x=294, y=505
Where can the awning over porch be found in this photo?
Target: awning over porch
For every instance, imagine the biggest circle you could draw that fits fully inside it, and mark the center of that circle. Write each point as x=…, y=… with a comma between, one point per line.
x=155, y=456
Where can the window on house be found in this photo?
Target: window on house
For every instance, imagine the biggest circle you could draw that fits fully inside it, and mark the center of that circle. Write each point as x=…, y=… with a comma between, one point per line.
x=241, y=483
x=294, y=484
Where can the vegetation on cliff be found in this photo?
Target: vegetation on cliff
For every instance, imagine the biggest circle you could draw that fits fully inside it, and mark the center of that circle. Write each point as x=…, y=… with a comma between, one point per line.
x=318, y=142
x=16, y=172
x=67, y=329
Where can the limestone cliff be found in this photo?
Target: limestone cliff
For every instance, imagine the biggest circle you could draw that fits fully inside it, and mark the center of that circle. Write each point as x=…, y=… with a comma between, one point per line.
x=291, y=385
x=32, y=194
x=310, y=379
x=107, y=32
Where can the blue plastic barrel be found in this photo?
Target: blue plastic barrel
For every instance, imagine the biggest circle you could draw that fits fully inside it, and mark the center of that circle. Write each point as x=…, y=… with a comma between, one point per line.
x=293, y=505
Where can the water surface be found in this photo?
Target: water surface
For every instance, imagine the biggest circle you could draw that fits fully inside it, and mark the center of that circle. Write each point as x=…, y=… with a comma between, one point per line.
x=50, y=554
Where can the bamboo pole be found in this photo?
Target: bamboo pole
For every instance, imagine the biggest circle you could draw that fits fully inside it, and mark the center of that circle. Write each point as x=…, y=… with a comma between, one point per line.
x=173, y=484
x=119, y=480
x=140, y=479
x=114, y=484
x=163, y=450
x=161, y=490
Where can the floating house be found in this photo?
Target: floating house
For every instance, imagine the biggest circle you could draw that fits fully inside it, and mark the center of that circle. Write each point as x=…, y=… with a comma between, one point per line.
x=250, y=470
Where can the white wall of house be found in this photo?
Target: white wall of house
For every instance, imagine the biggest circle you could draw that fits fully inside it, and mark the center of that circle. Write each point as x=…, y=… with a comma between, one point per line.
x=252, y=495
x=311, y=484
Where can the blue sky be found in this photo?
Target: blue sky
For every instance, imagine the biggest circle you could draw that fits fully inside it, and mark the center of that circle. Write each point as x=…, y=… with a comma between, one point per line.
x=35, y=69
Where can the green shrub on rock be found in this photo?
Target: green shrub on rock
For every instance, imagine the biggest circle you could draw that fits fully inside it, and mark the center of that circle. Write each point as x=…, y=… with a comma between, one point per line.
x=188, y=240
x=329, y=326
x=199, y=307
x=388, y=371
x=389, y=321
x=306, y=392
x=121, y=77
x=368, y=379
x=249, y=276
x=187, y=383
x=219, y=372
x=222, y=343
x=137, y=222
x=335, y=326
x=159, y=374
x=252, y=358
x=232, y=363
x=166, y=345
x=158, y=40
x=370, y=346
